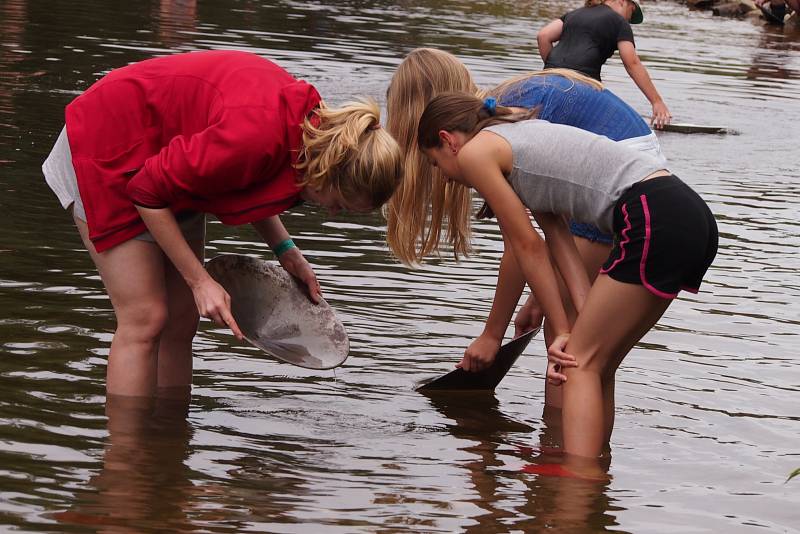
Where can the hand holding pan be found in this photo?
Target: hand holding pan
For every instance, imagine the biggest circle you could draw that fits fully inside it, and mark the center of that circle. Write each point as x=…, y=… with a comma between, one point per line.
x=486, y=379
x=276, y=315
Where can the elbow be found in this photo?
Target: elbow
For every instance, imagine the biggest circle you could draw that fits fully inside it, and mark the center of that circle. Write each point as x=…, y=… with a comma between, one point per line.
x=542, y=42
x=632, y=63
x=536, y=249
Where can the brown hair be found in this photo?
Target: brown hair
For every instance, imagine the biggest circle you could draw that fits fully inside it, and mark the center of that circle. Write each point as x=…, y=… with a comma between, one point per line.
x=350, y=152
x=462, y=112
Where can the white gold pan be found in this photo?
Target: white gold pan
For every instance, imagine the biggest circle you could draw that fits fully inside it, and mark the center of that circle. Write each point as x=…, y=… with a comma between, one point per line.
x=275, y=314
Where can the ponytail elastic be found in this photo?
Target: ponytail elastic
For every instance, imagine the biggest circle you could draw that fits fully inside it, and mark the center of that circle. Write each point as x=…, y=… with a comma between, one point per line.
x=490, y=105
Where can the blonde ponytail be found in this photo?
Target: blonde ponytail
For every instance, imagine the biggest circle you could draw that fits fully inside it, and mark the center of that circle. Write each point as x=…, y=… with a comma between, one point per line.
x=350, y=152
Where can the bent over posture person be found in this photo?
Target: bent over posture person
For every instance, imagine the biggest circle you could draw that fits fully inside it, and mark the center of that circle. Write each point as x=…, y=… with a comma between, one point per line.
x=152, y=147
x=588, y=36
x=425, y=203
x=665, y=238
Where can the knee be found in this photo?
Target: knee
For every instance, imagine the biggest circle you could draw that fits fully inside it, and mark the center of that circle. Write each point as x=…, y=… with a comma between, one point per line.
x=143, y=321
x=183, y=322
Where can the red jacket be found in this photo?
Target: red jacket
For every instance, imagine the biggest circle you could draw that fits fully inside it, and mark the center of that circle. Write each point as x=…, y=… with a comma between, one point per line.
x=215, y=132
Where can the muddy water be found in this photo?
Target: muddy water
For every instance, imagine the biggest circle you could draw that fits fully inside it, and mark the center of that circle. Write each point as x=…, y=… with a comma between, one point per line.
x=708, y=404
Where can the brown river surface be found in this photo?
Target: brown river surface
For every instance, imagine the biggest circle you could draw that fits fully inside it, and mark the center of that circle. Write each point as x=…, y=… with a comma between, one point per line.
x=708, y=424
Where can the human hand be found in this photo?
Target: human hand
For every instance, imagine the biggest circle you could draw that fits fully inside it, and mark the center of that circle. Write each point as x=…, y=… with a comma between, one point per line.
x=214, y=303
x=296, y=264
x=480, y=354
x=557, y=360
x=661, y=115
x=529, y=317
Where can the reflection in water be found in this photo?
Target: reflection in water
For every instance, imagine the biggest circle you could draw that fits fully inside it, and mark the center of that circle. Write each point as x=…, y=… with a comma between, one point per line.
x=541, y=501
x=144, y=481
x=13, y=21
x=708, y=425
x=772, y=54
x=177, y=20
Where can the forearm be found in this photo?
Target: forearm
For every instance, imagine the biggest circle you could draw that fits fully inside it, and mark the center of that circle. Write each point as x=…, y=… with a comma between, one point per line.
x=547, y=35
x=640, y=76
x=271, y=230
x=162, y=225
x=510, y=284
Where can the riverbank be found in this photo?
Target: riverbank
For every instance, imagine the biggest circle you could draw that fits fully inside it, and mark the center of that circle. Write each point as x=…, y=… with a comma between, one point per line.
x=739, y=9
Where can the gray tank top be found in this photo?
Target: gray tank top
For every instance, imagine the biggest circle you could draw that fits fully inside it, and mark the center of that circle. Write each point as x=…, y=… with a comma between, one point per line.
x=565, y=170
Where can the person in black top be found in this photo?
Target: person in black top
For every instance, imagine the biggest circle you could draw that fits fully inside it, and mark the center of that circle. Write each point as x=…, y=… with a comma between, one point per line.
x=588, y=36
x=775, y=10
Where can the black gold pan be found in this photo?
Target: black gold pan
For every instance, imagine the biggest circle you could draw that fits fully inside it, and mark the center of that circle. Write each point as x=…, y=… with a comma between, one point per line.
x=697, y=129
x=486, y=380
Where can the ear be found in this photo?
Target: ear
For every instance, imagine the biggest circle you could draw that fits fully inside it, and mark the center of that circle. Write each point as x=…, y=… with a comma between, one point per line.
x=448, y=140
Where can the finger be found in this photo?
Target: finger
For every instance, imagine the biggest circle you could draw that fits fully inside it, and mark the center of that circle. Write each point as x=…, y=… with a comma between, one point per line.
x=561, y=357
x=231, y=322
x=315, y=294
x=552, y=375
x=564, y=363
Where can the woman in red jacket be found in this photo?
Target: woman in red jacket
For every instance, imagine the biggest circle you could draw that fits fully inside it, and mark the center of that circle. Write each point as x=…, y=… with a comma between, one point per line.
x=151, y=148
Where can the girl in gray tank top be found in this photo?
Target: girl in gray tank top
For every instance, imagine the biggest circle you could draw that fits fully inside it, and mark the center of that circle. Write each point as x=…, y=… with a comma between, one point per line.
x=665, y=238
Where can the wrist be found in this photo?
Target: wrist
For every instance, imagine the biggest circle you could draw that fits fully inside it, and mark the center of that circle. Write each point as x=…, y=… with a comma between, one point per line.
x=196, y=279
x=492, y=334
x=283, y=247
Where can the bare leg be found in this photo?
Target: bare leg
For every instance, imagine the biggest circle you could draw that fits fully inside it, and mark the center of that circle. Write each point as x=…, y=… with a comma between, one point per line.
x=593, y=255
x=615, y=316
x=133, y=274
x=175, y=347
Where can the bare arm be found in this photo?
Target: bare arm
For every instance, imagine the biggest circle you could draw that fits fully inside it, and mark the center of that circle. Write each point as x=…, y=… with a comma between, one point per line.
x=211, y=299
x=549, y=34
x=510, y=283
x=481, y=164
x=640, y=76
x=273, y=232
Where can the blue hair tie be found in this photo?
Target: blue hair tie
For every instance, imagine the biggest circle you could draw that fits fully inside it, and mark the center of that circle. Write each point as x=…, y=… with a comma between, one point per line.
x=490, y=105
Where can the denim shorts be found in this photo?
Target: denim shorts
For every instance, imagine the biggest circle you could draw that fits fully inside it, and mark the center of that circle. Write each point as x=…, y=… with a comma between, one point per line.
x=590, y=232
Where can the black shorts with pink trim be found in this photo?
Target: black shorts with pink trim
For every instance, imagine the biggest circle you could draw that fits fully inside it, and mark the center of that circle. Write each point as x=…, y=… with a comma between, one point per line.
x=665, y=237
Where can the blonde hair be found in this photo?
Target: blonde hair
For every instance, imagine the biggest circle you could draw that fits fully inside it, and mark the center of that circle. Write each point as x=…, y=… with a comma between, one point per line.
x=349, y=152
x=424, y=203
x=508, y=87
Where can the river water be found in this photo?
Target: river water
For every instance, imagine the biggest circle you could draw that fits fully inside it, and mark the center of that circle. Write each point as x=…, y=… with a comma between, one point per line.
x=708, y=402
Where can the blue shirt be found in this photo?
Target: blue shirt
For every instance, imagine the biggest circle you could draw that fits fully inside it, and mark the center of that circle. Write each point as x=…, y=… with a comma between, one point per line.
x=566, y=101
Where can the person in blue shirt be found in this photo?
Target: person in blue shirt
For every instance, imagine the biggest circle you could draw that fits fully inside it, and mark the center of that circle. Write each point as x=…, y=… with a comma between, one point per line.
x=425, y=203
